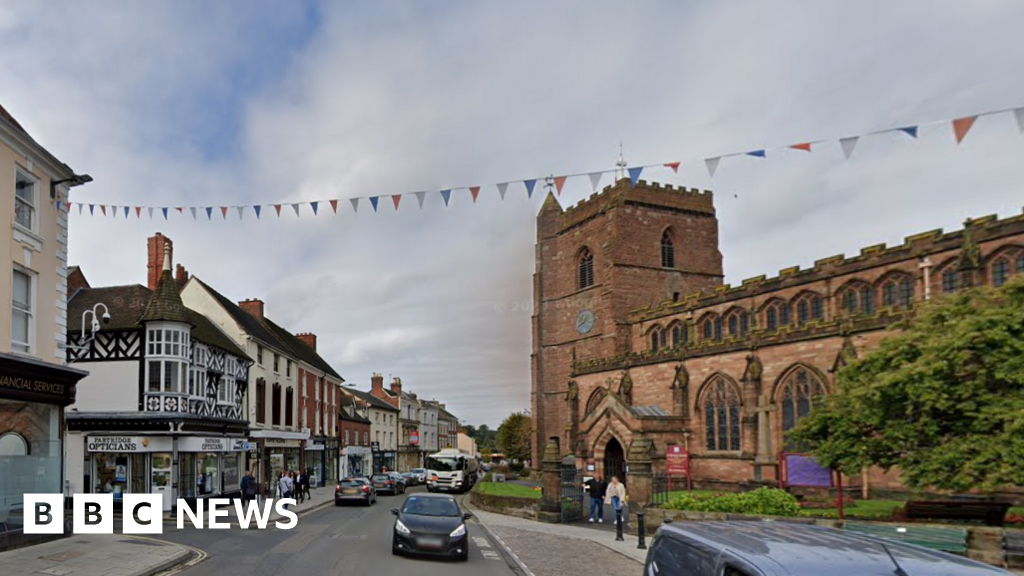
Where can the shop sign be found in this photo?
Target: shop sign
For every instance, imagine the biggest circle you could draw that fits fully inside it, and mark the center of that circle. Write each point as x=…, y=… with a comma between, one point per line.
x=375, y=446
x=127, y=444
x=208, y=444
x=355, y=450
x=34, y=381
x=315, y=445
x=414, y=437
x=280, y=443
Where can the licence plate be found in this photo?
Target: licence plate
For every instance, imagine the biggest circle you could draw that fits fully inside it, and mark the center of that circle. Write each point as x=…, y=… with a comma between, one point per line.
x=430, y=542
x=349, y=491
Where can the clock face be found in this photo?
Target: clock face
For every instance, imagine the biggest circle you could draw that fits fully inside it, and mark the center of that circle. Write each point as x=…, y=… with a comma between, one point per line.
x=584, y=321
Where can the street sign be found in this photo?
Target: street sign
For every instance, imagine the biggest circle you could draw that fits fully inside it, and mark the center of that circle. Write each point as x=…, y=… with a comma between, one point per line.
x=375, y=446
x=414, y=437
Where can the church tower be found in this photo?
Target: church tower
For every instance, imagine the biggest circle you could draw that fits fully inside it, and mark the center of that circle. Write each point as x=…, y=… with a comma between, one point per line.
x=622, y=249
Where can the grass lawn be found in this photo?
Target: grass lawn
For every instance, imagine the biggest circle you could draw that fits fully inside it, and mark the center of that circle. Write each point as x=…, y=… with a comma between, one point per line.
x=697, y=493
x=506, y=489
x=874, y=509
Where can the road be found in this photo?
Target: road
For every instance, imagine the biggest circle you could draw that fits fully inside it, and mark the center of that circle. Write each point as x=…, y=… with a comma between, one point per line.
x=334, y=540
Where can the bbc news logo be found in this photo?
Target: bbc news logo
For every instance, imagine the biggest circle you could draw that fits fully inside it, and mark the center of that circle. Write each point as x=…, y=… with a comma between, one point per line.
x=143, y=514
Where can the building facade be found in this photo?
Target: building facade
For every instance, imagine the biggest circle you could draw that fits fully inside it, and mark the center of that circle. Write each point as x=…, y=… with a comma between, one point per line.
x=447, y=428
x=429, y=413
x=408, y=433
x=638, y=346
x=383, y=427
x=356, y=451
x=35, y=383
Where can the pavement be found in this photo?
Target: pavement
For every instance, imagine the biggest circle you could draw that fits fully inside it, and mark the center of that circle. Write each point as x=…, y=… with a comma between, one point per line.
x=95, y=555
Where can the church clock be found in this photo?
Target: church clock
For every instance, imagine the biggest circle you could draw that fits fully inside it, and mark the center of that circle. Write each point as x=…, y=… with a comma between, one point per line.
x=584, y=321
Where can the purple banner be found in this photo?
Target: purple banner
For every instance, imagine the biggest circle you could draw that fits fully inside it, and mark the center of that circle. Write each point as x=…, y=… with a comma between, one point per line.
x=804, y=471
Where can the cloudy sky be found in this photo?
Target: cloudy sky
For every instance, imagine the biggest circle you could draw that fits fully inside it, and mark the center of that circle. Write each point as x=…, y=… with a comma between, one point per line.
x=235, y=103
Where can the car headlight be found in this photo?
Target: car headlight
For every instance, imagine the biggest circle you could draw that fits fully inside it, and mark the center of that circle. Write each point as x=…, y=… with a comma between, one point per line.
x=460, y=531
x=401, y=529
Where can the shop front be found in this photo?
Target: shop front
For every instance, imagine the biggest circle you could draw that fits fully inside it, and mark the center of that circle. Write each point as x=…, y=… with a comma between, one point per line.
x=315, y=457
x=210, y=466
x=278, y=451
x=383, y=459
x=356, y=461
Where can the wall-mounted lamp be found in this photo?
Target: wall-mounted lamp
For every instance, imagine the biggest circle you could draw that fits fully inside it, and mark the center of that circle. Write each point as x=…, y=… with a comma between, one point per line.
x=76, y=180
x=94, y=326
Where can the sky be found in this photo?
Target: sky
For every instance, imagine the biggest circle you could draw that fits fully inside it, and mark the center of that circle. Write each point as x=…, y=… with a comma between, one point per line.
x=246, y=102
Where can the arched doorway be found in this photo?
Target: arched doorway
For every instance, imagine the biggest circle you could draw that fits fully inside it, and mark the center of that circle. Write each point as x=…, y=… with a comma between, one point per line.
x=614, y=461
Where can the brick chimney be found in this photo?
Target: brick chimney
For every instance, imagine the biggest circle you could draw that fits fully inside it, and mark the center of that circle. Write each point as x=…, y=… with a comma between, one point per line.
x=377, y=384
x=396, y=385
x=180, y=276
x=307, y=339
x=253, y=306
x=155, y=265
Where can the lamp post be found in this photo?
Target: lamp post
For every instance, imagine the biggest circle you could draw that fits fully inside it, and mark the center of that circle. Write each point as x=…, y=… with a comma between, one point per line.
x=94, y=327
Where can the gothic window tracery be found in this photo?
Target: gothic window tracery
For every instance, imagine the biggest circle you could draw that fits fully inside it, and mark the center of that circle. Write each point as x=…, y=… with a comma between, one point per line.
x=711, y=327
x=737, y=322
x=857, y=298
x=809, y=307
x=721, y=411
x=797, y=394
x=585, y=268
x=658, y=338
x=776, y=315
x=678, y=334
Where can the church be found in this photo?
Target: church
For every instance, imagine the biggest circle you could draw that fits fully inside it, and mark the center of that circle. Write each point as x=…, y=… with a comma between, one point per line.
x=639, y=346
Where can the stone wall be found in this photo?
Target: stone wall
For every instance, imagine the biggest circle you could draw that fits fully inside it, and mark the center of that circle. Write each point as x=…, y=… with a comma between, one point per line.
x=508, y=505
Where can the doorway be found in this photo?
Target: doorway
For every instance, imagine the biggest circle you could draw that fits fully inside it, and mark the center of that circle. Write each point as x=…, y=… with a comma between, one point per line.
x=161, y=478
x=614, y=461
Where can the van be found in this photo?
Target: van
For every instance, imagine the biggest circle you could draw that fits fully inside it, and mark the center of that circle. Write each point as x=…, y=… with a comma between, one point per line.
x=767, y=548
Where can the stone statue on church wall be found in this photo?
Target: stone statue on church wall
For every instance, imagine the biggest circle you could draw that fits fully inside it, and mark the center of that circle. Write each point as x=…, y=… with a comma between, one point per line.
x=681, y=390
x=626, y=388
x=754, y=371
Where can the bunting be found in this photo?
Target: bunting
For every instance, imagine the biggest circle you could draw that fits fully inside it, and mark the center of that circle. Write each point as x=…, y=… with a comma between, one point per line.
x=256, y=209
x=529, y=187
x=848, y=144
x=909, y=131
x=756, y=153
x=295, y=206
x=475, y=190
x=277, y=207
x=419, y=198
x=241, y=211
x=446, y=194
x=355, y=204
x=224, y=212
x=334, y=206
x=396, y=198
x=373, y=202
x=165, y=213
x=634, y=174
x=559, y=182
x=1018, y=114
x=673, y=165
x=209, y=212
x=502, y=188
x=806, y=146
x=595, y=179
x=712, y=164
x=961, y=126
x=193, y=209
x=314, y=205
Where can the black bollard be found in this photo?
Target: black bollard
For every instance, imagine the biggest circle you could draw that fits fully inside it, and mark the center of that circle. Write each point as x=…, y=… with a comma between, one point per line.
x=642, y=545
x=618, y=525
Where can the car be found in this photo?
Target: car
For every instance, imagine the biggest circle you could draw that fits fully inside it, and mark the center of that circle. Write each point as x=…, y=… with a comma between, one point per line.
x=411, y=478
x=432, y=525
x=400, y=480
x=751, y=548
x=421, y=474
x=386, y=483
x=355, y=490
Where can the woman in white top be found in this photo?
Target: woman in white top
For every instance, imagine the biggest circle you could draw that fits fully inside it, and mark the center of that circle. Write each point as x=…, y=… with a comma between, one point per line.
x=615, y=494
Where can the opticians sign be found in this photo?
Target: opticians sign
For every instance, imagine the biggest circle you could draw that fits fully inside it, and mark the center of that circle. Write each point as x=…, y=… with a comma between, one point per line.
x=211, y=444
x=128, y=444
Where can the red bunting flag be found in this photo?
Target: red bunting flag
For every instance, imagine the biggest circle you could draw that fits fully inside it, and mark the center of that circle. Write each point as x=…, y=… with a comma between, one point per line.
x=559, y=182
x=673, y=165
x=224, y=212
x=474, y=190
x=806, y=146
x=104, y=208
x=334, y=206
x=138, y=211
x=961, y=126
x=179, y=209
x=278, y=208
x=396, y=198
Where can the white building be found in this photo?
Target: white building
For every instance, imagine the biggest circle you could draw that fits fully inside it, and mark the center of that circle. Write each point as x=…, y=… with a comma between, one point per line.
x=384, y=428
x=429, y=412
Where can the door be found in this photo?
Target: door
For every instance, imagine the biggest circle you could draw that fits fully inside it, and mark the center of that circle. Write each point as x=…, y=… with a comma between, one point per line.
x=160, y=479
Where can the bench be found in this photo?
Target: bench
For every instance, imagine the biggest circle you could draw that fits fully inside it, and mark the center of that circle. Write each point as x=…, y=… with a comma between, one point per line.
x=945, y=539
x=991, y=513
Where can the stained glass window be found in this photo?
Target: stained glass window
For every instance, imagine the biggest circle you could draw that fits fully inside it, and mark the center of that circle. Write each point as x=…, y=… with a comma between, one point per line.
x=586, y=269
x=809, y=307
x=654, y=339
x=676, y=335
x=722, y=416
x=711, y=328
x=797, y=394
x=772, y=318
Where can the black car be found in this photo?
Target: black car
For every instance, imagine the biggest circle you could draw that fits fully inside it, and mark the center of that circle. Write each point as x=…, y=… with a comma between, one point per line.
x=355, y=490
x=411, y=478
x=431, y=524
x=387, y=483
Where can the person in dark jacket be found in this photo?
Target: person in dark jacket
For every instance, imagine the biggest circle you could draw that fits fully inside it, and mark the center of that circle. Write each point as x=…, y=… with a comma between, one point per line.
x=596, y=487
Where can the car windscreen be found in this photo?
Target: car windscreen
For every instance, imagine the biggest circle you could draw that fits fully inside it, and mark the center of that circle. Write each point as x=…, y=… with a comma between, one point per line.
x=380, y=477
x=446, y=464
x=431, y=506
x=352, y=483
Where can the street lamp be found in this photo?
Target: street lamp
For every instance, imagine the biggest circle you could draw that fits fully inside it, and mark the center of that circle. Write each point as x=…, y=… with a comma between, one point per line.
x=75, y=180
x=94, y=326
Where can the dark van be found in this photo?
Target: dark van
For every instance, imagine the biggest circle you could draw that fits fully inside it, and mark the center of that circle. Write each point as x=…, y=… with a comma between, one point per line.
x=782, y=549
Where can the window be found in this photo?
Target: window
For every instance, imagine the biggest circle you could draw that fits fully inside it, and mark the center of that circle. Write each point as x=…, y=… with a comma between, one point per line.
x=261, y=402
x=366, y=438
x=22, y=323
x=797, y=393
x=276, y=358
x=1019, y=265
x=658, y=337
x=25, y=201
x=711, y=327
x=858, y=298
x=776, y=315
x=950, y=281
x=1000, y=272
x=224, y=390
x=586, y=269
x=668, y=251
x=288, y=368
x=721, y=416
x=897, y=292
x=197, y=382
x=809, y=307
x=346, y=437
x=677, y=335
x=259, y=355
x=377, y=435
x=167, y=356
x=738, y=323
x=289, y=406
x=275, y=405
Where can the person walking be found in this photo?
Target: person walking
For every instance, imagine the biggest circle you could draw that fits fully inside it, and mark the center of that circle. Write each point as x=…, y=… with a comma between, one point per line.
x=297, y=481
x=597, y=489
x=286, y=485
x=244, y=487
x=615, y=494
x=250, y=488
x=306, y=479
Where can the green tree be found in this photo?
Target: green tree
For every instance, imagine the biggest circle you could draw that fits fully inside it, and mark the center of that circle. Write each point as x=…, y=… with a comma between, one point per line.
x=514, y=436
x=942, y=399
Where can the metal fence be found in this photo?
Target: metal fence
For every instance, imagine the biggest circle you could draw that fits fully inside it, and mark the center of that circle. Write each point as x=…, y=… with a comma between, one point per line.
x=571, y=496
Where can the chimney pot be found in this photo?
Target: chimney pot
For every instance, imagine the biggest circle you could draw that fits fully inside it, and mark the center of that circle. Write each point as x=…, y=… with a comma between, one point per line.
x=157, y=245
x=307, y=339
x=253, y=306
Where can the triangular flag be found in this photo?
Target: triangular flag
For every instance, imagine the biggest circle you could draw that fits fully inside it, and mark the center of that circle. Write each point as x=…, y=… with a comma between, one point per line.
x=150, y=212
x=1017, y=113
x=529, y=187
x=634, y=174
x=712, y=164
x=756, y=153
x=419, y=198
x=295, y=206
x=474, y=191
x=165, y=213
x=848, y=144
x=355, y=204
x=806, y=146
x=314, y=205
x=126, y=210
x=138, y=211
x=209, y=212
x=502, y=188
x=58, y=209
x=909, y=131
x=224, y=212
x=595, y=179
x=113, y=212
x=179, y=209
x=396, y=198
x=92, y=209
x=373, y=202
x=192, y=209
x=257, y=209
x=79, y=208
x=278, y=208
x=446, y=194
x=673, y=165
x=559, y=182
x=961, y=126
x=104, y=209
x=240, y=209
x=334, y=206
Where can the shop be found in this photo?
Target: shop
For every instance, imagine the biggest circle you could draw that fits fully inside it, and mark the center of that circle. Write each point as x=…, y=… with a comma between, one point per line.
x=315, y=456
x=384, y=459
x=210, y=466
x=277, y=451
x=356, y=461
x=33, y=395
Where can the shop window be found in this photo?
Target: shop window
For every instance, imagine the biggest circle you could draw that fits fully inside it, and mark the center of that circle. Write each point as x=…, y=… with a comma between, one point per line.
x=187, y=465
x=110, y=473
x=207, y=473
x=13, y=444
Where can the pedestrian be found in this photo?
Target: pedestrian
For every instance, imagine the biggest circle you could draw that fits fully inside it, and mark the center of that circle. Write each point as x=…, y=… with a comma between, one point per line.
x=286, y=486
x=243, y=488
x=306, y=479
x=250, y=488
x=597, y=488
x=615, y=494
x=299, y=494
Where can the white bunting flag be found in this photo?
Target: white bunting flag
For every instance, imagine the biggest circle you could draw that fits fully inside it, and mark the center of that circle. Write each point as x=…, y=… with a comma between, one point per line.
x=355, y=204
x=419, y=198
x=595, y=179
x=241, y=209
x=79, y=208
x=150, y=213
x=1018, y=114
x=193, y=210
x=502, y=188
x=296, y=208
x=712, y=164
x=848, y=145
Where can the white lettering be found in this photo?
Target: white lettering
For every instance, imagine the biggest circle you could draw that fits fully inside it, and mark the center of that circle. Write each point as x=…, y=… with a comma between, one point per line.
x=196, y=519
x=253, y=512
x=282, y=511
x=216, y=512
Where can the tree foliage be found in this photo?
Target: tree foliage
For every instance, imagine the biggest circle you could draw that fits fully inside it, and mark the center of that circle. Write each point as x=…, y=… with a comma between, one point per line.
x=514, y=436
x=942, y=399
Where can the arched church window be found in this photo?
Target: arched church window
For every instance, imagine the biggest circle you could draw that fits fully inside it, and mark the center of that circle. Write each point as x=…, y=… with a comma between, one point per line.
x=950, y=280
x=721, y=408
x=711, y=327
x=1000, y=271
x=857, y=298
x=809, y=307
x=658, y=338
x=586, y=269
x=797, y=394
x=678, y=335
x=776, y=315
x=737, y=322
x=898, y=291
x=668, y=251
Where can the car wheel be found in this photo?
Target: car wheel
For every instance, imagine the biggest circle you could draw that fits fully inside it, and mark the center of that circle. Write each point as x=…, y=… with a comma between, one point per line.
x=336, y=503
x=465, y=552
x=394, y=547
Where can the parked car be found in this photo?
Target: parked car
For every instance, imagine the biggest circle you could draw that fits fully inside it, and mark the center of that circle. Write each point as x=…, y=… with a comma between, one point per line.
x=781, y=549
x=411, y=479
x=399, y=479
x=355, y=490
x=421, y=474
x=386, y=483
x=431, y=524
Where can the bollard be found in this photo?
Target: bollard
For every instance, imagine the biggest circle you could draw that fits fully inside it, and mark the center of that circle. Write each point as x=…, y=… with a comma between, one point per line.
x=642, y=545
x=618, y=525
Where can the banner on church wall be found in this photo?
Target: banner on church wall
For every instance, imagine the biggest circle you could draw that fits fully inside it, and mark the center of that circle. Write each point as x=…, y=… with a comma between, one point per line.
x=802, y=470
